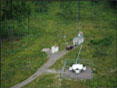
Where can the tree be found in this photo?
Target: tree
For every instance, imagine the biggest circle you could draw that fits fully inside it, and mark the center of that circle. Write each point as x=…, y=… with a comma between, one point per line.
x=11, y=11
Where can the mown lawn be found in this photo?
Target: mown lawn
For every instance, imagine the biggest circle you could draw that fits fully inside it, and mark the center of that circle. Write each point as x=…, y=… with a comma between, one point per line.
x=22, y=58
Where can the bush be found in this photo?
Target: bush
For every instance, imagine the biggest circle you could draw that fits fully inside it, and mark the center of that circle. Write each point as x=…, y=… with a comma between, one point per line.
x=113, y=4
x=69, y=10
x=13, y=17
x=103, y=42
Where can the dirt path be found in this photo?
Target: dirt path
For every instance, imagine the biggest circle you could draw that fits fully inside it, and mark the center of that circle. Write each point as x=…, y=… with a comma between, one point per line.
x=52, y=59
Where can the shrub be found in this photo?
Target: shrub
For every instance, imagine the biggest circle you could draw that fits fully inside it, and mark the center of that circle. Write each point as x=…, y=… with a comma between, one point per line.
x=103, y=42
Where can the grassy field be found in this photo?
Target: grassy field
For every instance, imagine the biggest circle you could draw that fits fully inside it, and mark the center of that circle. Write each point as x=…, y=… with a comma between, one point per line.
x=22, y=58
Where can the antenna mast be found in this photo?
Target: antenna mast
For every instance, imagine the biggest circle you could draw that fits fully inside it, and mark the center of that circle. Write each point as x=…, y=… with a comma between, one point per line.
x=78, y=54
x=78, y=14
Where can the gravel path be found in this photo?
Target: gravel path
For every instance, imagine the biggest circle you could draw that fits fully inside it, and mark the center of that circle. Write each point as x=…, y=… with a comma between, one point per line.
x=88, y=74
x=52, y=59
x=53, y=71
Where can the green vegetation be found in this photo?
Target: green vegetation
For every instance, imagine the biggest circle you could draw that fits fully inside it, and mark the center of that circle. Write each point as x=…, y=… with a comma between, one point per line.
x=44, y=27
x=54, y=81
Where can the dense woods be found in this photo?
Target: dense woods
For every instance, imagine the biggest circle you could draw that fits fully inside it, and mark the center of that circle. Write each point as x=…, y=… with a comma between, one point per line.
x=15, y=15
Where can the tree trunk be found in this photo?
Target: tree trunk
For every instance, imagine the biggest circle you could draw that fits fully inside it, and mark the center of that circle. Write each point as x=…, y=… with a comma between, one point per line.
x=28, y=23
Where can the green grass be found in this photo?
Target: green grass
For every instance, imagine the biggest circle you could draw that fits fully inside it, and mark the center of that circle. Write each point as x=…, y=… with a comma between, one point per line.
x=22, y=58
x=16, y=65
x=54, y=81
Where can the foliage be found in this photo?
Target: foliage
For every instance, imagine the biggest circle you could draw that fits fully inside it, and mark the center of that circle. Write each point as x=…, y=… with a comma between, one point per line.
x=103, y=42
x=13, y=9
x=46, y=29
x=15, y=16
x=69, y=10
x=41, y=6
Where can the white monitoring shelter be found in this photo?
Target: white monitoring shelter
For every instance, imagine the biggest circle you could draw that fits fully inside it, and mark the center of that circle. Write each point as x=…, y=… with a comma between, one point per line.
x=79, y=39
x=54, y=49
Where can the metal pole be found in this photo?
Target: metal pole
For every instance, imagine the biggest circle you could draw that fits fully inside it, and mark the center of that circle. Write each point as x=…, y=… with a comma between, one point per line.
x=78, y=54
x=78, y=14
x=65, y=39
x=61, y=74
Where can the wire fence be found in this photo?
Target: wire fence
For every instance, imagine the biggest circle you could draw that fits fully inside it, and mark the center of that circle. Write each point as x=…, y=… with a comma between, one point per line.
x=70, y=62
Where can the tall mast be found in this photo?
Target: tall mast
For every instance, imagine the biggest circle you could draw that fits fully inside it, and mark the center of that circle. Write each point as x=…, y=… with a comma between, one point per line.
x=78, y=55
x=78, y=14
